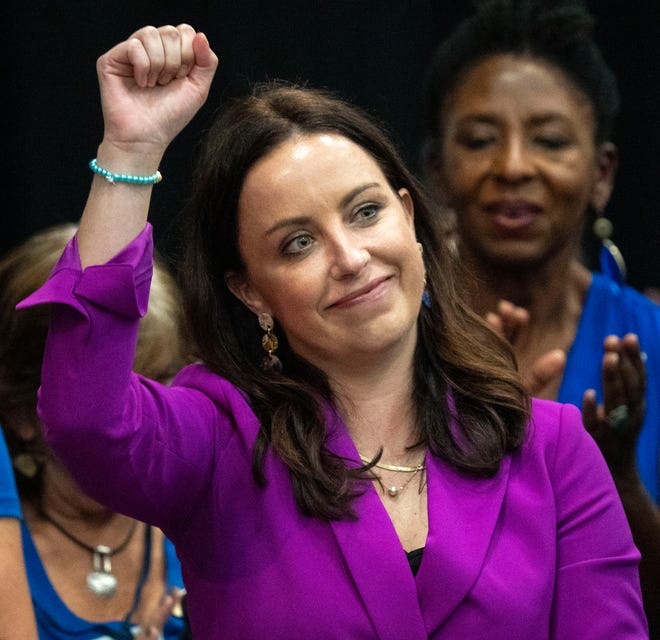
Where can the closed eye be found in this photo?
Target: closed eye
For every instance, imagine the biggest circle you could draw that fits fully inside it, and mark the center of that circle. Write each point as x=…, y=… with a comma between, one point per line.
x=475, y=143
x=552, y=143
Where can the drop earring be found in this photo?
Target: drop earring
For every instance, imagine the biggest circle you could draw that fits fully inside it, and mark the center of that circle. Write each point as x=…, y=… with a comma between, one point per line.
x=426, y=298
x=270, y=343
x=426, y=295
x=612, y=263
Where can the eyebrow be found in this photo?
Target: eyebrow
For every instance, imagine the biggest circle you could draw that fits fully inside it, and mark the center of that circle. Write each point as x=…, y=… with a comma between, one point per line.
x=537, y=119
x=344, y=202
x=549, y=117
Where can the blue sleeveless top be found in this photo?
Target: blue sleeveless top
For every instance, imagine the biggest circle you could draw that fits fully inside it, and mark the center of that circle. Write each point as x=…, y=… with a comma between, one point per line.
x=55, y=621
x=10, y=507
x=611, y=309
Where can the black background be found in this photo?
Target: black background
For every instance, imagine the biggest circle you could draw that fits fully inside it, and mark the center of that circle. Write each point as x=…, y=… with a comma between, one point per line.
x=373, y=53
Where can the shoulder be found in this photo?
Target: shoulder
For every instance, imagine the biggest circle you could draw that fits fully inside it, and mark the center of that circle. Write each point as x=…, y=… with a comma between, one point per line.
x=558, y=442
x=625, y=299
x=200, y=377
x=172, y=564
x=640, y=303
x=556, y=432
x=218, y=390
x=548, y=418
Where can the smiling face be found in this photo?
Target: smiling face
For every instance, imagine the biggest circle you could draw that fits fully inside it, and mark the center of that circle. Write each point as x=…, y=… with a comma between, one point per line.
x=519, y=164
x=330, y=251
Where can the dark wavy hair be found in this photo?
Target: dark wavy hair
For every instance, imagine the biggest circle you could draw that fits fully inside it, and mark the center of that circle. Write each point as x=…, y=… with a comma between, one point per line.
x=457, y=355
x=559, y=32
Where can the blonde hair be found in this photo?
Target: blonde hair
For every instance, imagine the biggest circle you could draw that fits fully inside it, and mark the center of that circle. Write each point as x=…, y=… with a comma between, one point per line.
x=162, y=347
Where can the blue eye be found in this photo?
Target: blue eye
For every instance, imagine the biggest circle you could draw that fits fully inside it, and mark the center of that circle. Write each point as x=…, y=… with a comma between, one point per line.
x=367, y=213
x=298, y=244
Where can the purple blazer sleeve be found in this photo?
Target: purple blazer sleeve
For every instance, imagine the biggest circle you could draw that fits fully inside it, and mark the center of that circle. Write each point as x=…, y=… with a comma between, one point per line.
x=540, y=551
x=88, y=389
x=597, y=562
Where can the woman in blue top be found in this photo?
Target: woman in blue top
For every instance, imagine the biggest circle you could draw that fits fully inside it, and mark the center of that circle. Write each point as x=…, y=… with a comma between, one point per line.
x=518, y=112
x=16, y=613
x=93, y=574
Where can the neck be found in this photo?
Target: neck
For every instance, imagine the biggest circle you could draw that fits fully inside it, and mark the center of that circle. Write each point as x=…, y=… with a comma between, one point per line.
x=374, y=394
x=378, y=410
x=63, y=499
x=553, y=296
x=550, y=291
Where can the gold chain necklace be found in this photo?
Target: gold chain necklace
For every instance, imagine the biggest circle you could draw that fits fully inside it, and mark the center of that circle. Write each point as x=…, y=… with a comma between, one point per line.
x=395, y=490
x=394, y=467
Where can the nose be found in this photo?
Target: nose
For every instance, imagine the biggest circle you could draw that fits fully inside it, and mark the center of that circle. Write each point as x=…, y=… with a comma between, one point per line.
x=347, y=256
x=513, y=163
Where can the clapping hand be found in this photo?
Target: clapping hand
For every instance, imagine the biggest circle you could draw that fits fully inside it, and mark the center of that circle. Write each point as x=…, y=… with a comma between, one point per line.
x=156, y=619
x=616, y=422
x=511, y=322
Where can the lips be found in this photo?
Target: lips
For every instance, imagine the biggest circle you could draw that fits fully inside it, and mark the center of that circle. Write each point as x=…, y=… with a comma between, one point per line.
x=513, y=214
x=369, y=291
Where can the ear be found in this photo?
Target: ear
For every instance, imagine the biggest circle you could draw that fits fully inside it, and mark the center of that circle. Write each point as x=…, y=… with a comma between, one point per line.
x=607, y=161
x=407, y=203
x=240, y=286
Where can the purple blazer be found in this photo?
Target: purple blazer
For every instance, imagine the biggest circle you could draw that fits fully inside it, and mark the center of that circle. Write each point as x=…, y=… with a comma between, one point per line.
x=542, y=550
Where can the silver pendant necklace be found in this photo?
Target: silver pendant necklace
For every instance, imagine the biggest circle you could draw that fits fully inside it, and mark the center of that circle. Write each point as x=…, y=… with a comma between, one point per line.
x=100, y=581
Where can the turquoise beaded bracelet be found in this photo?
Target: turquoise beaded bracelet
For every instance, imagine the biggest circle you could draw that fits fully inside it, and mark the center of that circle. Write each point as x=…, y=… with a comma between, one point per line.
x=123, y=177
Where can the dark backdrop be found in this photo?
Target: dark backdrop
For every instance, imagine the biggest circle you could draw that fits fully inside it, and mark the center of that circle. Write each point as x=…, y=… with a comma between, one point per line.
x=372, y=52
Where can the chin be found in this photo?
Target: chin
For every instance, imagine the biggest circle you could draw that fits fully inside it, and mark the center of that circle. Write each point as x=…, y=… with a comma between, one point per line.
x=514, y=255
x=386, y=335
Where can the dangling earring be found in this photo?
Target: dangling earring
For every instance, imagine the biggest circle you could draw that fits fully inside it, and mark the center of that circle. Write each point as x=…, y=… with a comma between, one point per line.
x=426, y=295
x=426, y=298
x=26, y=465
x=270, y=343
x=612, y=263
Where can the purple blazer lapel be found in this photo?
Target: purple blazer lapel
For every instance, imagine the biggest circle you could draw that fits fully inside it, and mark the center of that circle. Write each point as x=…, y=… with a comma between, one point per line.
x=375, y=558
x=381, y=571
x=463, y=513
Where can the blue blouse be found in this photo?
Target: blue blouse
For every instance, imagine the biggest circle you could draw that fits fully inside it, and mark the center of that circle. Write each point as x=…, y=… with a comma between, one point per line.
x=9, y=503
x=611, y=309
x=55, y=621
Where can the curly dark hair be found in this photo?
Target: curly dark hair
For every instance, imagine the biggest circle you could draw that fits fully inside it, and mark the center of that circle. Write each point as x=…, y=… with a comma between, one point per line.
x=559, y=32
